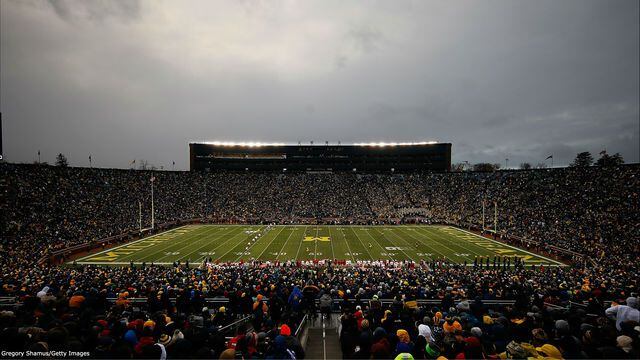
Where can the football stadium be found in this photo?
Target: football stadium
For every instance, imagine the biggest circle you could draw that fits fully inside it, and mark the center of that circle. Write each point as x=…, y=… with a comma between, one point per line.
x=288, y=180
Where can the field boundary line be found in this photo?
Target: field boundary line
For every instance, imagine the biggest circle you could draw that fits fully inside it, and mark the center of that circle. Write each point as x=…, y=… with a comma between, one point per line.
x=128, y=243
x=513, y=247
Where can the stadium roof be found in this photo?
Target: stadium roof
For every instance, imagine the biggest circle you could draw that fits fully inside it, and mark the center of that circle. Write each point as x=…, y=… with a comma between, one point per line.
x=259, y=144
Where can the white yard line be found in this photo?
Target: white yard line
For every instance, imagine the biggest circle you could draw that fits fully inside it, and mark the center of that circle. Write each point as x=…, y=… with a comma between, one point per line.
x=186, y=244
x=345, y=240
x=361, y=243
x=300, y=245
x=404, y=231
x=377, y=243
x=285, y=243
x=231, y=249
x=453, y=251
x=207, y=243
x=399, y=247
x=271, y=242
x=331, y=242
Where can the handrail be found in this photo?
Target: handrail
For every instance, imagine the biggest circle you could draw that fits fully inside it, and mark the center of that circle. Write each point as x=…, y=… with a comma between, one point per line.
x=226, y=327
x=304, y=319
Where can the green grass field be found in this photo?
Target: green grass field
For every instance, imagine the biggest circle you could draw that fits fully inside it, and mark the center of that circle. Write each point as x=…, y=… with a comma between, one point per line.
x=232, y=243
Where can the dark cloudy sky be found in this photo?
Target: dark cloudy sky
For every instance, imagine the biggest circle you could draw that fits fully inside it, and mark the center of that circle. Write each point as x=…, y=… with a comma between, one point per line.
x=125, y=80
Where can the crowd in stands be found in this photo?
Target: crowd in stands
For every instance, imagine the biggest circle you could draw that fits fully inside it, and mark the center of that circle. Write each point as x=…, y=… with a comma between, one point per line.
x=592, y=211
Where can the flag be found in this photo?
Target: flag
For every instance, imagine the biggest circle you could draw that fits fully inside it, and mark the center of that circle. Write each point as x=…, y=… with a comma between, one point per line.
x=549, y=157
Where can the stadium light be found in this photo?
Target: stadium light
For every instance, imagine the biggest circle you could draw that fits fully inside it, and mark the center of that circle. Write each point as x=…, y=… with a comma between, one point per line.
x=383, y=144
x=259, y=144
x=242, y=143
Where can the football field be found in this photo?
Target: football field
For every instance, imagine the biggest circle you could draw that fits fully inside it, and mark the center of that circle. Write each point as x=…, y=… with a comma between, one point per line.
x=233, y=243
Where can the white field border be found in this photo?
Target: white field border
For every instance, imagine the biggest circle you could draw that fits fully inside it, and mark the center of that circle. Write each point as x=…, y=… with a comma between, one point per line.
x=558, y=263
x=119, y=246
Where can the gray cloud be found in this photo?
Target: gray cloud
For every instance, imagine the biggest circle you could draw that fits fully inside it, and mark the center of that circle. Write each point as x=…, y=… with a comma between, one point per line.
x=123, y=79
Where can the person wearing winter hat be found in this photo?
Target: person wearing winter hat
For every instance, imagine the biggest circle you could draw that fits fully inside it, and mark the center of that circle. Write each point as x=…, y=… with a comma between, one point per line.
x=473, y=348
x=514, y=351
x=624, y=313
x=130, y=337
x=291, y=341
x=451, y=325
x=549, y=351
x=539, y=336
x=425, y=331
x=431, y=351
x=381, y=349
x=625, y=343
x=404, y=352
x=476, y=331
x=562, y=326
x=145, y=339
x=403, y=336
x=164, y=339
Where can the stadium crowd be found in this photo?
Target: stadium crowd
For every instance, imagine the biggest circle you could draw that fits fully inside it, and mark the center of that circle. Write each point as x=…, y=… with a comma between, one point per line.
x=592, y=211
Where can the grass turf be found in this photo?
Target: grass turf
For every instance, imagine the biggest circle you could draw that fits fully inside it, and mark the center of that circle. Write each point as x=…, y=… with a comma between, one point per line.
x=233, y=243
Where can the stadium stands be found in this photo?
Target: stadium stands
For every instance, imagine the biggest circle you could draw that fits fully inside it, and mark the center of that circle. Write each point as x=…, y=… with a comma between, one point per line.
x=570, y=312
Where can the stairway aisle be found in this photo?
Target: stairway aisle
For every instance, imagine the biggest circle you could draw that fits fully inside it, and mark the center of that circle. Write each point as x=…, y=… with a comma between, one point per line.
x=323, y=341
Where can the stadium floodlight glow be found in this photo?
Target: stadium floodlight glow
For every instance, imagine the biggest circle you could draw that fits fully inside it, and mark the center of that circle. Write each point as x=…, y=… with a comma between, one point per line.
x=259, y=144
x=383, y=144
x=242, y=143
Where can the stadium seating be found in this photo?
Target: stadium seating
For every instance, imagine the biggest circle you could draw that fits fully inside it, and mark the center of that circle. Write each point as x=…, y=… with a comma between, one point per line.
x=586, y=310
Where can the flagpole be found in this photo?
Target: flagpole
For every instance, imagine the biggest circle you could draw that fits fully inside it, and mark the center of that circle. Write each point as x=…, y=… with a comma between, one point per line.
x=140, y=215
x=483, y=215
x=495, y=218
x=153, y=223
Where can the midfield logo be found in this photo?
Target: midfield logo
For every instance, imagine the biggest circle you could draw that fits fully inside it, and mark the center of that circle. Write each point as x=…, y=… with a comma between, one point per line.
x=317, y=238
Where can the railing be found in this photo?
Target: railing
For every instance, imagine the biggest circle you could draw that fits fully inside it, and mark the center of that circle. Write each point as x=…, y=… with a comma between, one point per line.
x=300, y=326
x=218, y=300
x=215, y=300
x=9, y=301
x=234, y=325
x=13, y=301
